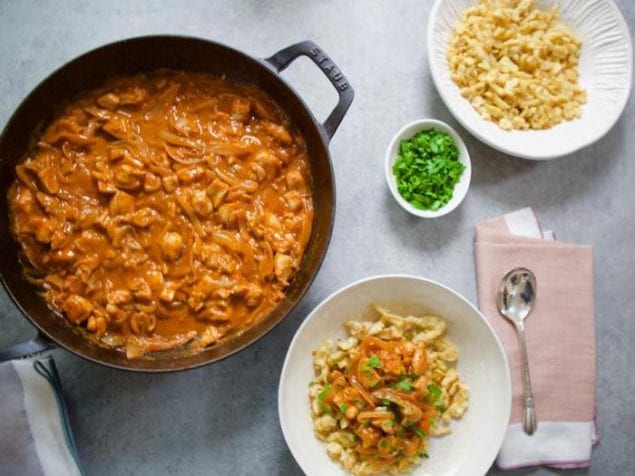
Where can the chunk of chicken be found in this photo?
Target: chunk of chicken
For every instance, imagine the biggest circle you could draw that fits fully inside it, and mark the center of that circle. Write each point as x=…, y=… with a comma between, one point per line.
x=201, y=204
x=278, y=132
x=96, y=324
x=121, y=203
x=77, y=308
x=294, y=200
x=127, y=177
x=283, y=267
x=217, y=192
x=295, y=181
x=140, y=289
x=240, y=109
x=172, y=245
x=151, y=182
x=109, y=101
x=190, y=174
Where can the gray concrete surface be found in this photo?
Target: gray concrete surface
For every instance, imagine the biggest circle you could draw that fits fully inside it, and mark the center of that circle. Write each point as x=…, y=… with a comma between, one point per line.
x=223, y=419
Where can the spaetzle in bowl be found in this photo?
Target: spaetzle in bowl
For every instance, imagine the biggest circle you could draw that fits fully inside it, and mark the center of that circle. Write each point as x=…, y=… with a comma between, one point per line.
x=379, y=393
x=510, y=81
x=453, y=327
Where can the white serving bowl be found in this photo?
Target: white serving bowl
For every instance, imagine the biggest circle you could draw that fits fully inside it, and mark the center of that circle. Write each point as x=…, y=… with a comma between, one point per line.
x=464, y=157
x=475, y=439
x=605, y=68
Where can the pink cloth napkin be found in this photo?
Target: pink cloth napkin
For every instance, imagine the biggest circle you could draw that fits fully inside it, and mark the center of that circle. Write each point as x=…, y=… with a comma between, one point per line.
x=560, y=339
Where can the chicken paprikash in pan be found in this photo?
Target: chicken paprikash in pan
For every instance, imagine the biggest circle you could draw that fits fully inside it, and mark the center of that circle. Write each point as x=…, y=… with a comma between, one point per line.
x=164, y=210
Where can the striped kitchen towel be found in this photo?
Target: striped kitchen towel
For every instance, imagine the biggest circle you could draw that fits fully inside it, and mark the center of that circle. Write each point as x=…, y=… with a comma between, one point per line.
x=35, y=435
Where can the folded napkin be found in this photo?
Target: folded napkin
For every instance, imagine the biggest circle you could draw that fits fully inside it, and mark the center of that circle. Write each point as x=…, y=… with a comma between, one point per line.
x=560, y=339
x=35, y=436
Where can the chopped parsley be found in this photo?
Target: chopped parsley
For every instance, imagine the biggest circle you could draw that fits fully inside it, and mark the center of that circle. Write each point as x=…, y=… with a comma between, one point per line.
x=343, y=407
x=427, y=169
x=404, y=385
x=324, y=393
x=434, y=392
x=326, y=390
x=373, y=362
x=419, y=432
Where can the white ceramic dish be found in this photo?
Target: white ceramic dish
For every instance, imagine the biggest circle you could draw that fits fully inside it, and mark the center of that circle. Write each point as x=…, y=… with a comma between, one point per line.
x=606, y=69
x=475, y=439
x=464, y=157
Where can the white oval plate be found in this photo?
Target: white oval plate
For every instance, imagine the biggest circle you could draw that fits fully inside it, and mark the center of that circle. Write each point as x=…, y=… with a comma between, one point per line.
x=606, y=69
x=475, y=439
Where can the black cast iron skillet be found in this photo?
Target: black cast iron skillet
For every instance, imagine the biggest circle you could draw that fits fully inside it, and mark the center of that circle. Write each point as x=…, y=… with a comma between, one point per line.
x=146, y=54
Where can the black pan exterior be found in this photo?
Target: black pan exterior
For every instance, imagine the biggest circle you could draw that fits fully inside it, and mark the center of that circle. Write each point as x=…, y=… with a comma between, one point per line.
x=125, y=58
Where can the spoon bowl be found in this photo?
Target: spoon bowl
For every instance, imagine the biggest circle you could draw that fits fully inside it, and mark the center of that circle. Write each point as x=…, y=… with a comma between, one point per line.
x=517, y=294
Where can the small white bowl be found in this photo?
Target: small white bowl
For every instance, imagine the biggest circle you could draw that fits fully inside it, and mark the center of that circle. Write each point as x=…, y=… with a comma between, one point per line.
x=605, y=70
x=475, y=439
x=464, y=157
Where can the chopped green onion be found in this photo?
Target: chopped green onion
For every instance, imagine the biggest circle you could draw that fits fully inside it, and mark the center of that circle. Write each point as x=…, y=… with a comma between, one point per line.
x=343, y=407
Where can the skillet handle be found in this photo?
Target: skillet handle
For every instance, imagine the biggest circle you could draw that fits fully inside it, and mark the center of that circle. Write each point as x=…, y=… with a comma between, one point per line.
x=285, y=57
x=38, y=344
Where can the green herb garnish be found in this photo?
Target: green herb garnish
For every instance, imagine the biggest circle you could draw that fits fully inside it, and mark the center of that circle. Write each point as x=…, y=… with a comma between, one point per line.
x=373, y=362
x=424, y=455
x=404, y=385
x=427, y=169
x=434, y=392
x=419, y=432
x=389, y=423
x=324, y=393
x=343, y=407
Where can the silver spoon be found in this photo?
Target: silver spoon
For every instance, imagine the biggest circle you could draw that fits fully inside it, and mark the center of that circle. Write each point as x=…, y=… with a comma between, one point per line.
x=516, y=298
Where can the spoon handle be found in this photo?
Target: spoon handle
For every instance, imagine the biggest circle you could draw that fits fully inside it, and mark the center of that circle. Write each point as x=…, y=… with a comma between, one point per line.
x=529, y=412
